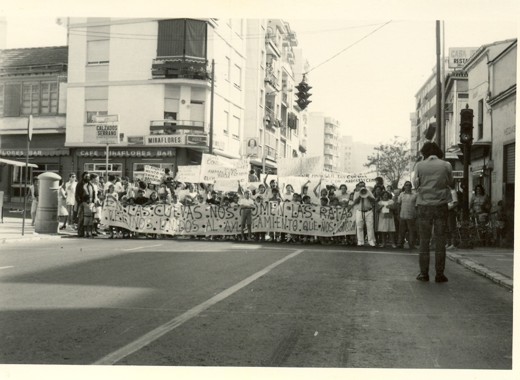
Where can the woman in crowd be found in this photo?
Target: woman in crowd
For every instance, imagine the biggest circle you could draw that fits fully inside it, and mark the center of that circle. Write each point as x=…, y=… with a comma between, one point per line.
x=62, y=205
x=479, y=205
x=386, y=226
x=34, y=194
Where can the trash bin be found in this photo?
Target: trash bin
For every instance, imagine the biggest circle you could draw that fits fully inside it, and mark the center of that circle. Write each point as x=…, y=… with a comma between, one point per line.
x=47, y=213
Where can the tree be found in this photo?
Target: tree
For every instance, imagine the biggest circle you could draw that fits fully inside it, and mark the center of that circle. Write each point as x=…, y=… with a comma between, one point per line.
x=391, y=160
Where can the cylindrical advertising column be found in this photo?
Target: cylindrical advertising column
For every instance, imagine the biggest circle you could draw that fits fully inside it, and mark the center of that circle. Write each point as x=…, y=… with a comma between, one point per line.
x=47, y=212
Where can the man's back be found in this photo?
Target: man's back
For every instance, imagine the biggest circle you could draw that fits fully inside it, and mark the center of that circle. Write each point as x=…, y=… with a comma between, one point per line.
x=433, y=177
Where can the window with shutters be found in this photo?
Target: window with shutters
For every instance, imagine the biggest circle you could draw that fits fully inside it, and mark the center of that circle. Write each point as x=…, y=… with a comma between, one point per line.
x=49, y=98
x=509, y=163
x=31, y=98
x=98, y=52
x=480, y=119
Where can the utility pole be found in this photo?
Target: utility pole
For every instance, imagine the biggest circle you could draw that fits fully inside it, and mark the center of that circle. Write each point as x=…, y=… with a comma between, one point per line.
x=438, y=135
x=211, y=106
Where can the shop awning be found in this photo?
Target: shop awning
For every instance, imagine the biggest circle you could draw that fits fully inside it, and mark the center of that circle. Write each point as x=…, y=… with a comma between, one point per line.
x=16, y=163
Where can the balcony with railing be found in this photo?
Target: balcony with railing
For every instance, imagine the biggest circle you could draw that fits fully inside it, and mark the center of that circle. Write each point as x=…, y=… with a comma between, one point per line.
x=169, y=126
x=270, y=152
x=180, y=68
x=271, y=80
x=272, y=43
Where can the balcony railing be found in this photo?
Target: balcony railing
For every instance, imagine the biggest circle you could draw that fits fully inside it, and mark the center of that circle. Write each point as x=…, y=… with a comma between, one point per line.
x=169, y=126
x=180, y=68
x=270, y=152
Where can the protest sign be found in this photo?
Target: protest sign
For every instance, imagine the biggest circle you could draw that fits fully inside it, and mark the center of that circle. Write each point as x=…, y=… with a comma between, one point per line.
x=288, y=217
x=188, y=173
x=153, y=174
x=215, y=168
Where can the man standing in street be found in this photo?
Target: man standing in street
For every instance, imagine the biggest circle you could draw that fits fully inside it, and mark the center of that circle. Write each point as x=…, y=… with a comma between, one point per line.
x=363, y=203
x=433, y=178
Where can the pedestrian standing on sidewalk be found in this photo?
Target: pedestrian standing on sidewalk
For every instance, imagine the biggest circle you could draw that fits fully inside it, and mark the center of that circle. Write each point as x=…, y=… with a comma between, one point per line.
x=34, y=193
x=433, y=179
x=70, y=189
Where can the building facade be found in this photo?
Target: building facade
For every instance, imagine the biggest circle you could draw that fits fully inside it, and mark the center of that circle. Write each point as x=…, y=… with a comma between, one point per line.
x=502, y=100
x=272, y=129
x=487, y=126
x=154, y=77
x=32, y=82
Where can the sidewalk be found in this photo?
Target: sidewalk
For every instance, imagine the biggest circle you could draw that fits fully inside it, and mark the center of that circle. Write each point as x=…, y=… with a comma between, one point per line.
x=11, y=231
x=494, y=263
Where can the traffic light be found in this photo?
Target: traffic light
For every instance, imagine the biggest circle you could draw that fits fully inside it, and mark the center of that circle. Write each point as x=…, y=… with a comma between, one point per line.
x=466, y=125
x=303, y=94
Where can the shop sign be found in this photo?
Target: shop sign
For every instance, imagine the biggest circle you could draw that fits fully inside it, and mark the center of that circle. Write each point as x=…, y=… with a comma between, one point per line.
x=184, y=140
x=107, y=129
x=34, y=153
x=138, y=140
x=130, y=153
x=459, y=56
x=171, y=140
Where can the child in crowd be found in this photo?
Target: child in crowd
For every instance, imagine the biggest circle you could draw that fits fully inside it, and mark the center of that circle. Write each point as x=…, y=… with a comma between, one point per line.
x=87, y=207
x=386, y=226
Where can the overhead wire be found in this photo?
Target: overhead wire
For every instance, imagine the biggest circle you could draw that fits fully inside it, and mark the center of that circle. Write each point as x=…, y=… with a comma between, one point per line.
x=348, y=47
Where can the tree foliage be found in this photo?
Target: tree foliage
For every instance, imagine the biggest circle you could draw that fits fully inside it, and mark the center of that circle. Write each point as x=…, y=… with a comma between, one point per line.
x=391, y=160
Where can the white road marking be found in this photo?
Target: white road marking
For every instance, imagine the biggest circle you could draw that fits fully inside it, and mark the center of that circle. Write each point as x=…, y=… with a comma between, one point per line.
x=6, y=267
x=136, y=248
x=158, y=332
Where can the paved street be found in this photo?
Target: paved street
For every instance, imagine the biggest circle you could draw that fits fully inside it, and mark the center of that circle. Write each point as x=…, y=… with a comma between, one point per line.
x=201, y=303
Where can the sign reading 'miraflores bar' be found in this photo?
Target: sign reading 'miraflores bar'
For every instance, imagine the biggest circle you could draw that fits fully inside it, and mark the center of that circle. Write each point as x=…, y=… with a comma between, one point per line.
x=177, y=140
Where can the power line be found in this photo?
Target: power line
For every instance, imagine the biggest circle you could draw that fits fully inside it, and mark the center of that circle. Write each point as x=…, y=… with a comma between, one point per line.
x=348, y=47
x=83, y=31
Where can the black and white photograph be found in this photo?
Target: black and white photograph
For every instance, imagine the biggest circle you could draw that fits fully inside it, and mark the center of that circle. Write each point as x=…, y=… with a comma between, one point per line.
x=266, y=190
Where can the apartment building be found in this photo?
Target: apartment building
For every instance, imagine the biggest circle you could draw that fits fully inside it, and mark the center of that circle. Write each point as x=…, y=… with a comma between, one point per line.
x=152, y=77
x=323, y=131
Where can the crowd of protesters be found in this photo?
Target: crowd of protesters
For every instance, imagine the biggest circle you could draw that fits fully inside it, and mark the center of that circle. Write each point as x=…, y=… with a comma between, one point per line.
x=384, y=216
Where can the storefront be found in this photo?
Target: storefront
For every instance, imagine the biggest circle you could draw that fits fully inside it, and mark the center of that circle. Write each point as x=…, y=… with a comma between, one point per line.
x=45, y=151
x=122, y=162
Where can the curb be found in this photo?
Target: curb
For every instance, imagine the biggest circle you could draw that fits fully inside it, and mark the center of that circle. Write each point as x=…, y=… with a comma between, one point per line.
x=498, y=278
x=32, y=238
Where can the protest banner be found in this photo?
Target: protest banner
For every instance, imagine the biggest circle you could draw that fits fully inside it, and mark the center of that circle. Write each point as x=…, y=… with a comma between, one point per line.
x=188, y=173
x=204, y=219
x=152, y=174
x=346, y=178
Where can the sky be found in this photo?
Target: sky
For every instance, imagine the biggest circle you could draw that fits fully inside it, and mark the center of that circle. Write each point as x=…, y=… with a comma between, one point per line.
x=365, y=71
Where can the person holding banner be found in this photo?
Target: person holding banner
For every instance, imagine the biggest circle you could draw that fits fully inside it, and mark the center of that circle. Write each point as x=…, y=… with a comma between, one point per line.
x=363, y=201
x=246, y=205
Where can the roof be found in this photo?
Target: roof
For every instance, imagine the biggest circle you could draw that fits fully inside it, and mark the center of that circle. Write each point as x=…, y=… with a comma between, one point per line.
x=494, y=49
x=28, y=59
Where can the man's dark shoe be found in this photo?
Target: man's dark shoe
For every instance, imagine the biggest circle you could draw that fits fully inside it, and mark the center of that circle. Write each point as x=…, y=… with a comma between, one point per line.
x=423, y=277
x=441, y=278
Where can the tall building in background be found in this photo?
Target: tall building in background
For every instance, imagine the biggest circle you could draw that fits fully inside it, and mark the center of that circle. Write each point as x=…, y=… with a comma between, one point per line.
x=345, y=147
x=323, y=132
x=272, y=128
